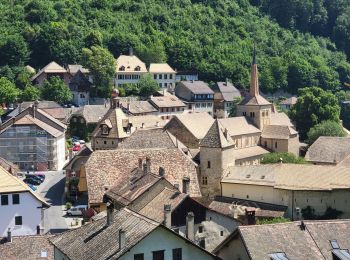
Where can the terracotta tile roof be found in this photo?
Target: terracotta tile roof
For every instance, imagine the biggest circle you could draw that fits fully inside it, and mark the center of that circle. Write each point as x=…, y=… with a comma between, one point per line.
x=160, y=68
x=289, y=101
x=136, y=107
x=278, y=132
x=155, y=208
x=197, y=87
x=118, y=165
x=224, y=205
x=238, y=126
x=129, y=63
x=311, y=242
x=167, y=101
x=27, y=247
x=197, y=123
x=148, y=138
x=98, y=241
x=290, y=176
x=12, y=184
x=215, y=137
x=327, y=149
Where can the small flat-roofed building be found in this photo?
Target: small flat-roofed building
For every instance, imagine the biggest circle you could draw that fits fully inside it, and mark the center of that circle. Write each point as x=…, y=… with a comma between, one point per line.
x=197, y=95
x=163, y=74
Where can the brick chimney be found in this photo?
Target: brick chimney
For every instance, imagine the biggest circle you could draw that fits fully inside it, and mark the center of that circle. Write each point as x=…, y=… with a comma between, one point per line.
x=190, y=226
x=122, y=239
x=250, y=216
x=167, y=215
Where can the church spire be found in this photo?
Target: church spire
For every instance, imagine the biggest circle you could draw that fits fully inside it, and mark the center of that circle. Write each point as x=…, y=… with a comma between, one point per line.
x=254, y=78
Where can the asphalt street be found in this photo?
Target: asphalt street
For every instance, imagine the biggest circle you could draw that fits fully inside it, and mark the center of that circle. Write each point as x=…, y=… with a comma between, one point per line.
x=52, y=189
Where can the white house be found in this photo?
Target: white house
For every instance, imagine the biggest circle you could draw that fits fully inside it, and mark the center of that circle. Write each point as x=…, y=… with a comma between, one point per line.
x=163, y=74
x=21, y=210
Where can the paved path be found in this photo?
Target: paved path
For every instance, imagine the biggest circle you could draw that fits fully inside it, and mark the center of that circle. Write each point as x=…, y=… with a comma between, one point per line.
x=52, y=189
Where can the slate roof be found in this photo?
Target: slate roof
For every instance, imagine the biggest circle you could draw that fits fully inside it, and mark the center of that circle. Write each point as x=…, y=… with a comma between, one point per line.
x=160, y=68
x=27, y=247
x=289, y=101
x=196, y=123
x=130, y=63
x=148, y=138
x=290, y=176
x=197, y=87
x=238, y=126
x=91, y=113
x=155, y=208
x=136, y=107
x=215, y=137
x=312, y=243
x=98, y=241
x=227, y=90
x=329, y=149
x=278, y=132
x=224, y=205
x=167, y=101
x=119, y=164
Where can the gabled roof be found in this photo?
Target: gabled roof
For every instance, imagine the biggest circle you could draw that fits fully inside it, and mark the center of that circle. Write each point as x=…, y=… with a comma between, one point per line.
x=91, y=113
x=227, y=90
x=119, y=164
x=130, y=63
x=146, y=121
x=298, y=240
x=254, y=101
x=289, y=101
x=278, y=132
x=160, y=68
x=238, y=126
x=12, y=184
x=80, y=83
x=197, y=87
x=280, y=119
x=136, y=107
x=215, y=137
x=167, y=101
x=74, y=68
x=52, y=67
x=27, y=247
x=329, y=149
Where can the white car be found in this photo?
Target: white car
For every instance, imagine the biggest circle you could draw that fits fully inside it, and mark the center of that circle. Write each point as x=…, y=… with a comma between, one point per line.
x=77, y=210
x=81, y=141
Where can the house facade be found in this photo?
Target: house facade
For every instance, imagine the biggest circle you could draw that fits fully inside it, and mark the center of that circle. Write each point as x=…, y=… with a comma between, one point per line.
x=33, y=140
x=163, y=74
x=21, y=209
x=51, y=70
x=167, y=105
x=196, y=95
x=80, y=87
x=224, y=95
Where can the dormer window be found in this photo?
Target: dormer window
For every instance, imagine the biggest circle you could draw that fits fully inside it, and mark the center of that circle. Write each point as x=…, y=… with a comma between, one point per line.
x=137, y=68
x=105, y=130
x=122, y=68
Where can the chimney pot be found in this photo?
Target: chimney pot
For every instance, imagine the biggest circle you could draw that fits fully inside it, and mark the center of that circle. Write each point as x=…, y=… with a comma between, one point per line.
x=167, y=215
x=122, y=239
x=9, y=235
x=190, y=226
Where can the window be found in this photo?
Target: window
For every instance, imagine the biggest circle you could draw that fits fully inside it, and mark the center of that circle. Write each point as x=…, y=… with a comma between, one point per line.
x=165, y=76
x=252, y=114
x=105, y=142
x=15, y=198
x=105, y=130
x=171, y=76
x=209, y=105
x=82, y=121
x=203, y=104
x=205, y=180
x=208, y=165
x=138, y=257
x=202, y=243
x=18, y=220
x=165, y=84
x=4, y=199
x=74, y=119
x=158, y=255
x=221, y=233
x=244, y=113
x=160, y=76
x=155, y=76
x=177, y=254
x=275, y=144
x=265, y=143
x=82, y=96
x=160, y=84
x=198, y=105
x=200, y=229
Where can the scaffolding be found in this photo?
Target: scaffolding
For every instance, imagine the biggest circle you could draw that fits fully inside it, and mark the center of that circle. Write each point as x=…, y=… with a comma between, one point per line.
x=30, y=147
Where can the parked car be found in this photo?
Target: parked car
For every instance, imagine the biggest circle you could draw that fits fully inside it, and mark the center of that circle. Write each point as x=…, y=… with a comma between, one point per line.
x=32, y=181
x=33, y=188
x=76, y=148
x=81, y=141
x=76, y=210
x=41, y=175
x=35, y=177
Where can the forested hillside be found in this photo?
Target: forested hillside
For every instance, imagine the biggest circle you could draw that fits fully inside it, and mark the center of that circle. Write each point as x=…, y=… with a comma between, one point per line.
x=213, y=37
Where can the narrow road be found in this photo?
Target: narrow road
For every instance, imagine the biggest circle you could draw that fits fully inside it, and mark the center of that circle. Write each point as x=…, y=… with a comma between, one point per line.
x=52, y=189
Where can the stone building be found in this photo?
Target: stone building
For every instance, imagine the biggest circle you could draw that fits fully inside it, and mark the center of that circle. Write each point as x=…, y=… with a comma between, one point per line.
x=224, y=95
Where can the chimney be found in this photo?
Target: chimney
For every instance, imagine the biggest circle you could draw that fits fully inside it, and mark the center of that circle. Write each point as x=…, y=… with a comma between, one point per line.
x=140, y=164
x=167, y=215
x=109, y=214
x=235, y=211
x=128, y=106
x=148, y=164
x=9, y=235
x=38, y=229
x=142, y=125
x=35, y=107
x=131, y=51
x=250, y=216
x=122, y=239
x=185, y=185
x=190, y=226
x=161, y=171
x=226, y=83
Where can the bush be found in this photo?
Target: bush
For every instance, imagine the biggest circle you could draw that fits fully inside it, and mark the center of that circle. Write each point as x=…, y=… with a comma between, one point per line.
x=272, y=221
x=325, y=128
x=68, y=205
x=330, y=213
x=286, y=158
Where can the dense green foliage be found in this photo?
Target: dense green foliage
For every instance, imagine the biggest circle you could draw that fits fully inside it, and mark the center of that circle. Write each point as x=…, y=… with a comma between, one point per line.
x=314, y=106
x=30, y=93
x=325, y=128
x=147, y=85
x=56, y=90
x=213, y=37
x=8, y=91
x=286, y=158
x=330, y=213
x=272, y=221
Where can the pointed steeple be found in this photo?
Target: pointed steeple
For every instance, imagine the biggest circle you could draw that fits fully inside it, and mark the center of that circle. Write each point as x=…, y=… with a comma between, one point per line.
x=254, y=78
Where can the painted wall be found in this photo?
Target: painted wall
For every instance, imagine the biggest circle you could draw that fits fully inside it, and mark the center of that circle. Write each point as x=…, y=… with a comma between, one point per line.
x=60, y=151
x=161, y=239
x=261, y=117
x=81, y=98
x=27, y=208
x=233, y=250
